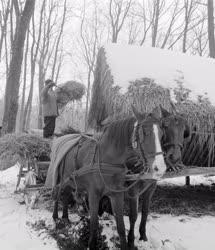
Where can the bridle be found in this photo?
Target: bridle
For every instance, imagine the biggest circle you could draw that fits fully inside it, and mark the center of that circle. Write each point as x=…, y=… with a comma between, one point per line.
x=169, y=144
x=137, y=143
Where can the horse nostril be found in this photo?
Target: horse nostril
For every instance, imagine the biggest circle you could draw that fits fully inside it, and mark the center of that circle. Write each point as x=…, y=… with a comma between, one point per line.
x=156, y=168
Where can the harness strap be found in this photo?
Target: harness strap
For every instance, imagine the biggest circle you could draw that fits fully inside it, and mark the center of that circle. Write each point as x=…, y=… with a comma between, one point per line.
x=173, y=144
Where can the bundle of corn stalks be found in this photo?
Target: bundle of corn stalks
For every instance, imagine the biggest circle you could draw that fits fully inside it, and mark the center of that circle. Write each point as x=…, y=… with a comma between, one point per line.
x=69, y=91
x=200, y=150
x=108, y=101
x=21, y=147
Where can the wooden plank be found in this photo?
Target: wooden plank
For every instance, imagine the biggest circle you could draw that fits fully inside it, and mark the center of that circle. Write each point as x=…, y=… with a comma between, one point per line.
x=35, y=186
x=184, y=172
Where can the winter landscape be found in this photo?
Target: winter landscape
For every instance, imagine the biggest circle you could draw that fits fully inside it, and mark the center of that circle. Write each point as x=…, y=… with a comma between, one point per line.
x=165, y=232
x=107, y=115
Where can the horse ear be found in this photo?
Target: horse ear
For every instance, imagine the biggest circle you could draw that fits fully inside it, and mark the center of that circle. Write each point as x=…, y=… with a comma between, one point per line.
x=173, y=108
x=137, y=114
x=156, y=113
x=164, y=112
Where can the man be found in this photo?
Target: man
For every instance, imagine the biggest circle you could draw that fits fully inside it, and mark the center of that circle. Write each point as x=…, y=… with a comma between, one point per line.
x=50, y=109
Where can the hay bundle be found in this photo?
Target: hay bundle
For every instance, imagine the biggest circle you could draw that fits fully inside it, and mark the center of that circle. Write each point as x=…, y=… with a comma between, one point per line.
x=200, y=151
x=69, y=91
x=21, y=147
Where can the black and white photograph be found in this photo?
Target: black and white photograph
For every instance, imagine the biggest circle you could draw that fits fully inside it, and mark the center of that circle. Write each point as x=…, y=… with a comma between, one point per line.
x=107, y=124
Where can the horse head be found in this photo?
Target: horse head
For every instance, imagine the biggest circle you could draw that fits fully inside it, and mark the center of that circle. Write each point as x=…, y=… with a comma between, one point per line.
x=175, y=131
x=146, y=140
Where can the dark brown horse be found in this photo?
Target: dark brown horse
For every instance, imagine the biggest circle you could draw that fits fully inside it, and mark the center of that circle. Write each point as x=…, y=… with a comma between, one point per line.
x=136, y=136
x=175, y=130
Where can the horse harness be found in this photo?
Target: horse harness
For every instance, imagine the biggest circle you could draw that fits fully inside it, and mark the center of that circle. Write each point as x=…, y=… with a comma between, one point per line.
x=136, y=141
x=112, y=169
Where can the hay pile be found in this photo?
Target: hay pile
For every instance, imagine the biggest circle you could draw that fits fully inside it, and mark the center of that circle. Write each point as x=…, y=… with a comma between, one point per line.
x=22, y=147
x=200, y=150
x=143, y=94
x=69, y=91
x=108, y=101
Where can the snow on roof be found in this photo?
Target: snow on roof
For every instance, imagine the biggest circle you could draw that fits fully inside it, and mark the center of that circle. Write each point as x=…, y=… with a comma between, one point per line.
x=129, y=63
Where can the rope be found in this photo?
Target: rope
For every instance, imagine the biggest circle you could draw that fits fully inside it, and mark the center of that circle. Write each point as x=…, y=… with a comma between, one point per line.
x=124, y=189
x=76, y=174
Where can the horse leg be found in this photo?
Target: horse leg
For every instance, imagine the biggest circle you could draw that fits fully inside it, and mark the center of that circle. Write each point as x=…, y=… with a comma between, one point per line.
x=67, y=198
x=55, y=212
x=94, y=206
x=133, y=212
x=65, y=215
x=117, y=206
x=146, y=200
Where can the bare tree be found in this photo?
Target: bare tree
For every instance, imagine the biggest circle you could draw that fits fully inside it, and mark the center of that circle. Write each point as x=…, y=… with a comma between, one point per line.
x=13, y=79
x=50, y=51
x=4, y=14
x=200, y=39
x=174, y=17
x=189, y=8
x=156, y=15
x=147, y=17
x=34, y=55
x=211, y=28
x=118, y=11
x=57, y=43
x=25, y=69
x=91, y=35
x=46, y=50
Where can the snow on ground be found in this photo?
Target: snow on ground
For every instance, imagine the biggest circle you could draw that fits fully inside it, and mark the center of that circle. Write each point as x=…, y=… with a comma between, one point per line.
x=129, y=63
x=194, y=180
x=15, y=234
x=165, y=232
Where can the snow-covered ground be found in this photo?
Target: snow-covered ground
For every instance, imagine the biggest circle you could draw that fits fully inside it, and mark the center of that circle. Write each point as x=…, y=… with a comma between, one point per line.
x=165, y=232
x=15, y=234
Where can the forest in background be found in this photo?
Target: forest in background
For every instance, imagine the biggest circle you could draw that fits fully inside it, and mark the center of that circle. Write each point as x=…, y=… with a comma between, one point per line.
x=60, y=40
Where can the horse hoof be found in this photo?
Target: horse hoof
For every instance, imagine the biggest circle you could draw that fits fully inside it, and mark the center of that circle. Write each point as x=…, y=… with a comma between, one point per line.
x=144, y=238
x=66, y=221
x=132, y=248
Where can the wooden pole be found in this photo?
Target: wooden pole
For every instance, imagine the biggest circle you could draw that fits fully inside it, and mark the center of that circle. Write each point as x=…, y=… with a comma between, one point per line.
x=187, y=180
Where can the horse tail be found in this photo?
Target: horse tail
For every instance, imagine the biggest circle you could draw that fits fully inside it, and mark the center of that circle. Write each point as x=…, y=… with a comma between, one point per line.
x=56, y=192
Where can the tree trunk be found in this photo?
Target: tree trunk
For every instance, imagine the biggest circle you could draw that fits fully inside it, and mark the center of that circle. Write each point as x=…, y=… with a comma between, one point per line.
x=41, y=83
x=155, y=26
x=13, y=79
x=211, y=29
x=187, y=180
x=21, y=119
x=184, y=48
x=87, y=102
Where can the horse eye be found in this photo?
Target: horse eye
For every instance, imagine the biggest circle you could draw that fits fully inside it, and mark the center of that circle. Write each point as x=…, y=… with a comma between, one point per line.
x=166, y=123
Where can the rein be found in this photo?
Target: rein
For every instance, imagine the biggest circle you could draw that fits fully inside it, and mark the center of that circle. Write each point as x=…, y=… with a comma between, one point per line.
x=112, y=169
x=123, y=189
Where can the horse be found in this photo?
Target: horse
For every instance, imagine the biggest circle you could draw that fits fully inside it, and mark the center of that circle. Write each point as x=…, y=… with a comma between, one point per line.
x=135, y=136
x=175, y=130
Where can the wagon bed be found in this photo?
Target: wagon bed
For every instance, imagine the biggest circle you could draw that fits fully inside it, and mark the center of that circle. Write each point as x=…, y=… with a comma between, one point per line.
x=42, y=168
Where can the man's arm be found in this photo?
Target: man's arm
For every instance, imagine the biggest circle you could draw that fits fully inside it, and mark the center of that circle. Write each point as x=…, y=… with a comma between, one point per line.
x=44, y=93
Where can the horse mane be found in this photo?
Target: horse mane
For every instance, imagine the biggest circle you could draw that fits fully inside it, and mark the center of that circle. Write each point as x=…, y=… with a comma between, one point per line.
x=119, y=132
